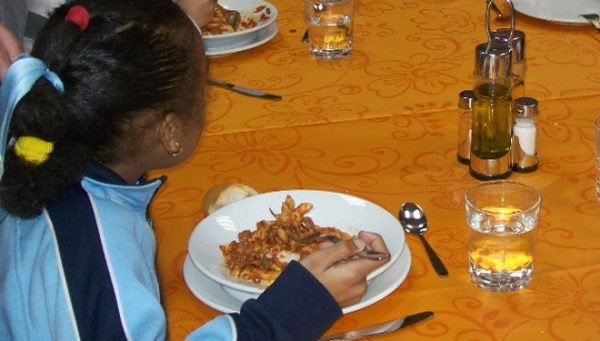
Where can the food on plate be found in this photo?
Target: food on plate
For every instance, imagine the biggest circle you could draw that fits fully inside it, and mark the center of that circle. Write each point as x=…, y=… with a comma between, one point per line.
x=224, y=194
x=259, y=256
x=219, y=25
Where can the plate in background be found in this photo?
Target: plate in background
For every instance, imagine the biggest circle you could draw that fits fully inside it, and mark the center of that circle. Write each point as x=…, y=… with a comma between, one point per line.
x=558, y=11
x=255, y=9
x=261, y=37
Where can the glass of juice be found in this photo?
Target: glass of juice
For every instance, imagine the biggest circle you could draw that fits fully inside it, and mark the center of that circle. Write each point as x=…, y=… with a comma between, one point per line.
x=502, y=217
x=330, y=26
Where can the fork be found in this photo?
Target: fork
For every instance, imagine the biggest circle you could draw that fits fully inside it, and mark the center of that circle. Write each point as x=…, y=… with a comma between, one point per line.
x=593, y=18
x=233, y=17
x=305, y=234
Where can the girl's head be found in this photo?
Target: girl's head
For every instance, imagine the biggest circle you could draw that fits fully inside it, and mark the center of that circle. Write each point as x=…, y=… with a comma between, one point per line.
x=134, y=73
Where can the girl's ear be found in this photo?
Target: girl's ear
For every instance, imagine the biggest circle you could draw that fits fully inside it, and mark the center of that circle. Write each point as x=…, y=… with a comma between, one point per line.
x=169, y=130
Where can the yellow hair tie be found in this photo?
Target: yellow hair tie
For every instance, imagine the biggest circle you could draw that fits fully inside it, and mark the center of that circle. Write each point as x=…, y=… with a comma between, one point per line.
x=33, y=149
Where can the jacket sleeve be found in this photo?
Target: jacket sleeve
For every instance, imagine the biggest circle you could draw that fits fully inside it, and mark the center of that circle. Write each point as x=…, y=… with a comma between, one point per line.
x=296, y=307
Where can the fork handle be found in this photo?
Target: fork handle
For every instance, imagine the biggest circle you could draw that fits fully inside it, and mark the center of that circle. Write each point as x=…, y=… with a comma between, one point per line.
x=367, y=252
x=373, y=255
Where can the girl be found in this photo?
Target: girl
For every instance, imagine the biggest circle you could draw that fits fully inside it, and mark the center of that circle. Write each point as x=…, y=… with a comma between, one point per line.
x=114, y=89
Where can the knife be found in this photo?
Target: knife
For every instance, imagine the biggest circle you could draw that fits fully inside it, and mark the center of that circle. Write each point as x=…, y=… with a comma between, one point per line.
x=381, y=328
x=242, y=90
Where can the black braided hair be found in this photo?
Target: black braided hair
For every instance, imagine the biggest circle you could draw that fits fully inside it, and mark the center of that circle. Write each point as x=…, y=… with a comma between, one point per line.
x=136, y=57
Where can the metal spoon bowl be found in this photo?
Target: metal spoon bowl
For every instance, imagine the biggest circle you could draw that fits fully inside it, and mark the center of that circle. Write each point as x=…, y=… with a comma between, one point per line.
x=413, y=220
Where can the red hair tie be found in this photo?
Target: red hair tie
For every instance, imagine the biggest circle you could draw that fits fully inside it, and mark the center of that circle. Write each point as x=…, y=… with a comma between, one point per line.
x=79, y=16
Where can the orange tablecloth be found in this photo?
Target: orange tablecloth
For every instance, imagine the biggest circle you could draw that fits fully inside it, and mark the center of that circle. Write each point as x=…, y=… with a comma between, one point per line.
x=382, y=125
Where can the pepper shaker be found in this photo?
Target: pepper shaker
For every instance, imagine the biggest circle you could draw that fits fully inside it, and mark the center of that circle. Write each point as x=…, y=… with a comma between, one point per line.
x=524, y=140
x=465, y=117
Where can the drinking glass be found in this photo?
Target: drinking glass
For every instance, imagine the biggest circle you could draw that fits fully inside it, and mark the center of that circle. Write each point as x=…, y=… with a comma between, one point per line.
x=502, y=216
x=597, y=154
x=330, y=26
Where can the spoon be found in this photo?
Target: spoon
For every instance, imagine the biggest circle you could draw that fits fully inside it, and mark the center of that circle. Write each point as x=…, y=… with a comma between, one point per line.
x=413, y=220
x=233, y=17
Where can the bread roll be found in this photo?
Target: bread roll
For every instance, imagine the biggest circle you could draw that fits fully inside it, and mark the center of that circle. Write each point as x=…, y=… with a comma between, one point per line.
x=225, y=194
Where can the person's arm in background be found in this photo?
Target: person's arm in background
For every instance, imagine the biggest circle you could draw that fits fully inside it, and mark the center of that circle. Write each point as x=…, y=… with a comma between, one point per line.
x=10, y=49
x=35, y=13
x=201, y=11
x=13, y=15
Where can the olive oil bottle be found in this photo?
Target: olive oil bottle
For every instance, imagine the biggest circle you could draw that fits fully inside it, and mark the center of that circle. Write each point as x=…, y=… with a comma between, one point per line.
x=491, y=121
x=491, y=127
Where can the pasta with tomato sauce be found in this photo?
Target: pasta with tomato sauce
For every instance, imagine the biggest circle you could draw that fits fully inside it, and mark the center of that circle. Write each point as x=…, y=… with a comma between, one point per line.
x=260, y=255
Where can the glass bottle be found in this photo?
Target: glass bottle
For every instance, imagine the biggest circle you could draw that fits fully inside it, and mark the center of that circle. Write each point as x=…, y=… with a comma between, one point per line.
x=465, y=103
x=524, y=144
x=516, y=41
x=492, y=115
x=491, y=128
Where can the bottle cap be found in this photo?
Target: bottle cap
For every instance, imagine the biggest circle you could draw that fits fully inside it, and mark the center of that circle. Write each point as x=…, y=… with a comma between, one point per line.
x=465, y=99
x=493, y=60
x=526, y=107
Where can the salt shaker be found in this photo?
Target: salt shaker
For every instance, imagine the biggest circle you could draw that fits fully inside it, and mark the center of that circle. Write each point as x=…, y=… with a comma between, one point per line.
x=465, y=117
x=524, y=140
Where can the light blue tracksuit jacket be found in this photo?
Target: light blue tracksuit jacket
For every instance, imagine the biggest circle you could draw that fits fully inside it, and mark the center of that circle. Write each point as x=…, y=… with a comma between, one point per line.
x=85, y=270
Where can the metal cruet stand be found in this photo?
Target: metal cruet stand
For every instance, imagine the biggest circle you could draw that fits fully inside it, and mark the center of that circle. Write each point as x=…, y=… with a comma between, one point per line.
x=491, y=129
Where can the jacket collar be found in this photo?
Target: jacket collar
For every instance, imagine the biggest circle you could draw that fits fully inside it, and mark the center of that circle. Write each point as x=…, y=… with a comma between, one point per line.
x=104, y=182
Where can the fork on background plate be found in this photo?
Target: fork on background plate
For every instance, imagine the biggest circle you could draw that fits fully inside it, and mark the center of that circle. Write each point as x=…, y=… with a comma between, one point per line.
x=232, y=17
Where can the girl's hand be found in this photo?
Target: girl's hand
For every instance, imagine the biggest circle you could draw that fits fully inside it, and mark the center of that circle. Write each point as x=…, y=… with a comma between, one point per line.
x=345, y=277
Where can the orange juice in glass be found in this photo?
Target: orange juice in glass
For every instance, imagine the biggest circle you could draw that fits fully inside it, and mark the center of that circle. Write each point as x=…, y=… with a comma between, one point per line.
x=330, y=26
x=502, y=216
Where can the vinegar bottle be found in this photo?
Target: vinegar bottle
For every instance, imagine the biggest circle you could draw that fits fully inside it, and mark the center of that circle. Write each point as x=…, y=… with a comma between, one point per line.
x=516, y=40
x=465, y=104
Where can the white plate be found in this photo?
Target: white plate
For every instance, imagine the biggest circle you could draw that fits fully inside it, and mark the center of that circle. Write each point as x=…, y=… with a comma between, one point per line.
x=261, y=37
x=345, y=212
x=245, y=37
x=213, y=295
x=559, y=11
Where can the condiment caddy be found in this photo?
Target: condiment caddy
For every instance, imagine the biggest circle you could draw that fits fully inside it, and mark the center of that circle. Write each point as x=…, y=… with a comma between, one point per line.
x=498, y=134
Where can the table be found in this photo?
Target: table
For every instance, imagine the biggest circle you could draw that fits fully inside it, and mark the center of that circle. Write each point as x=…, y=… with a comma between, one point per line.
x=382, y=125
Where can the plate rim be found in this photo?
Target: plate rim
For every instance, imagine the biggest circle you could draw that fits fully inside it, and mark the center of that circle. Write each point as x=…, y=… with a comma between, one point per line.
x=250, y=30
x=270, y=30
x=528, y=10
x=227, y=307
x=256, y=289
